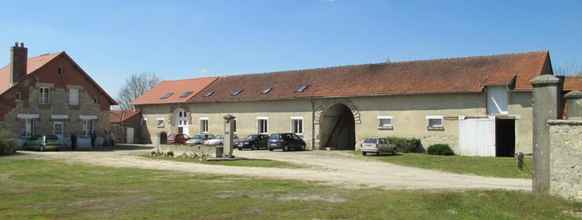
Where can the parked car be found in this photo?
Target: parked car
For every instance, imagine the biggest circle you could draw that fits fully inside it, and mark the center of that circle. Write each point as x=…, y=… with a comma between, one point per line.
x=377, y=146
x=286, y=142
x=214, y=140
x=179, y=139
x=253, y=142
x=43, y=143
x=197, y=139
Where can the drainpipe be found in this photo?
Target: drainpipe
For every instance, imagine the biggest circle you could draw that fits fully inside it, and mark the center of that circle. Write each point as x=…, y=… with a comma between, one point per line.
x=312, y=123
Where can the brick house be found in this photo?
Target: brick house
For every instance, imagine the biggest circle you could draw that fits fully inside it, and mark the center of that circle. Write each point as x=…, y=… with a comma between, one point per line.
x=51, y=94
x=478, y=105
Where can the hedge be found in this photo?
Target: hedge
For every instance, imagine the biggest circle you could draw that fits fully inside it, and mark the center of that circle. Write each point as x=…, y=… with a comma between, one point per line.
x=440, y=149
x=406, y=145
x=7, y=144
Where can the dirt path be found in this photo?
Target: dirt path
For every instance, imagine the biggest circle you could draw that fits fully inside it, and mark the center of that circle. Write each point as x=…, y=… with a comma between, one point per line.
x=334, y=168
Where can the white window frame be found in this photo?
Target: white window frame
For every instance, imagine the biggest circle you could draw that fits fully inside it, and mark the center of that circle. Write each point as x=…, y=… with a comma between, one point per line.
x=44, y=98
x=438, y=127
x=387, y=127
x=160, y=122
x=292, y=127
x=76, y=101
x=88, y=126
x=259, y=119
x=204, y=129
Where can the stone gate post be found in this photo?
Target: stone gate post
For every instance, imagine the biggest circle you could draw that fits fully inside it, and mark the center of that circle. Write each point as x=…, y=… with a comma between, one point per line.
x=545, y=107
x=228, y=135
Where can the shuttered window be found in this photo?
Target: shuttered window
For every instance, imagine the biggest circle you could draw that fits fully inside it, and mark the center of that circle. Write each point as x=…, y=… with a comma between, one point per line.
x=74, y=96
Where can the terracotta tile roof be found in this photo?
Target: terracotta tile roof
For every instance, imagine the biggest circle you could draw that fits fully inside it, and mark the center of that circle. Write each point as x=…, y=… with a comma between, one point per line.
x=455, y=75
x=572, y=83
x=32, y=65
x=122, y=115
x=174, y=91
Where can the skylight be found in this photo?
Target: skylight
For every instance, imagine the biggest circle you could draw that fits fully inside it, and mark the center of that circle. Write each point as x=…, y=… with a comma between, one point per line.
x=167, y=95
x=301, y=88
x=267, y=91
x=208, y=94
x=236, y=92
x=186, y=94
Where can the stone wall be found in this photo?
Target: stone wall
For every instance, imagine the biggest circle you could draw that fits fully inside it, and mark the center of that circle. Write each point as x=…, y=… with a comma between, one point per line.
x=566, y=158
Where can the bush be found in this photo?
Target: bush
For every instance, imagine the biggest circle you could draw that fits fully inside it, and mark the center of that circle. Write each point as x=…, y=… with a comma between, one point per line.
x=440, y=149
x=7, y=144
x=406, y=145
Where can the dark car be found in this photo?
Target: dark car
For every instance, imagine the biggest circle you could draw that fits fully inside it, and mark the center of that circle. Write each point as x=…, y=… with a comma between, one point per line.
x=179, y=139
x=253, y=142
x=286, y=142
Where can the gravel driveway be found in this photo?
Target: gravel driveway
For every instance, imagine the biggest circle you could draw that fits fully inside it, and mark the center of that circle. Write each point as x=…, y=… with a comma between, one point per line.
x=334, y=168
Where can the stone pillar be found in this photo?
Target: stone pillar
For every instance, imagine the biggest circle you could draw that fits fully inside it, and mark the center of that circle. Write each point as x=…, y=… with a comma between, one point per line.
x=545, y=107
x=228, y=135
x=574, y=105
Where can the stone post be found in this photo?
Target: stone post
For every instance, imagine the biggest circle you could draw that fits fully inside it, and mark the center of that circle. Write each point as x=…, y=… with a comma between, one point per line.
x=545, y=107
x=228, y=135
x=574, y=105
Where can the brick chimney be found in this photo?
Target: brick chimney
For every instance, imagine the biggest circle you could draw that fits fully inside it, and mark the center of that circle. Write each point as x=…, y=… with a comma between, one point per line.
x=18, y=59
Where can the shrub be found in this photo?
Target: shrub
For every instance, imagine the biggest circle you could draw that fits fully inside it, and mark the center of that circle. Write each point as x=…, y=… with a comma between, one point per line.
x=7, y=144
x=406, y=145
x=440, y=149
x=170, y=154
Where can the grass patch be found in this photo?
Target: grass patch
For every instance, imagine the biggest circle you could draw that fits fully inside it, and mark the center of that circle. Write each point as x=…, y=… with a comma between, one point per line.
x=482, y=166
x=237, y=163
x=38, y=189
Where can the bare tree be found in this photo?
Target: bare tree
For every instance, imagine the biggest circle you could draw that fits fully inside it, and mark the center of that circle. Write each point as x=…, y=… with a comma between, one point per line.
x=135, y=86
x=568, y=69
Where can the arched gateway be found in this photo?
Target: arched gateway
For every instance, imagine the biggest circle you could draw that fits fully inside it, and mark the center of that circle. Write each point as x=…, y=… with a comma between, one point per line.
x=335, y=125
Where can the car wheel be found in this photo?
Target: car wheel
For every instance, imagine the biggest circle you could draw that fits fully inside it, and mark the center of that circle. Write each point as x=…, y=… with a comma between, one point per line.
x=270, y=149
x=364, y=153
x=285, y=148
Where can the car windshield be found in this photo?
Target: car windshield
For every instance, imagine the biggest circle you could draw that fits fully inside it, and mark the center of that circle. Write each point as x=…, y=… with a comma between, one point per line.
x=218, y=137
x=198, y=137
x=276, y=136
x=370, y=141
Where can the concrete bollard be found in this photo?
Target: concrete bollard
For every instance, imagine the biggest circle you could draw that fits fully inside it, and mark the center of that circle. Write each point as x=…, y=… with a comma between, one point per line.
x=574, y=105
x=545, y=107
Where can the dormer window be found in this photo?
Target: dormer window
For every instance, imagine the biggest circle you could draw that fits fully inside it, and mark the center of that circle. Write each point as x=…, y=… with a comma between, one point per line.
x=236, y=92
x=167, y=95
x=186, y=94
x=301, y=88
x=267, y=91
x=210, y=93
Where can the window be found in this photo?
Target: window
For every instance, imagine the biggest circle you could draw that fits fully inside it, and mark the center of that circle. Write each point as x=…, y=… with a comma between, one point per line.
x=44, y=95
x=301, y=88
x=263, y=125
x=297, y=125
x=210, y=93
x=234, y=125
x=58, y=128
x=385, y=122
x=186, y=94
x=88, y=127
x=160, y=123
x=267, y=91
x=74, y=96
x=30, y=127
x=182, y=118
x=167, y=95
x=19, y=96
x=203, y=125
x=236, y=92
x=435, y=122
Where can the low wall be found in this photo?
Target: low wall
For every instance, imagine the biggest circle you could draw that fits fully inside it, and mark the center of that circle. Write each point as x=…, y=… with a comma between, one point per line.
x=566, y=158
x=180, y=149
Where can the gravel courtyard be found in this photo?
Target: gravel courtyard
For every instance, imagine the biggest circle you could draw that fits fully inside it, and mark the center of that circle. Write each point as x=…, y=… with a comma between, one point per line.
x=333, y=168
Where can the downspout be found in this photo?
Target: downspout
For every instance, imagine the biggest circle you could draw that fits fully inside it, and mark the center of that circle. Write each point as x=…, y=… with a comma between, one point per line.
x=312, y=123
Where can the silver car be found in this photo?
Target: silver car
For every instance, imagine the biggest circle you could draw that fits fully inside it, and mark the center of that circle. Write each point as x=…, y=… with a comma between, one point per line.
x=377, y=146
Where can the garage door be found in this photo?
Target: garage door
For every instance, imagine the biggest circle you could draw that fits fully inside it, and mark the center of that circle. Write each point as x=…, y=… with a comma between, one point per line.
x=477, y=137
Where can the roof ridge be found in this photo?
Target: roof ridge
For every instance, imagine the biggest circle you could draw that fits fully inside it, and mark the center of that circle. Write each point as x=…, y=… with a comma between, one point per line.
x=391, y=63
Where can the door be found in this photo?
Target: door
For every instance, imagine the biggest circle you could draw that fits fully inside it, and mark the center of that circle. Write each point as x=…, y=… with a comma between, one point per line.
x=129, y=133
x=505, y=137
x=59, y=129
x=477, y=137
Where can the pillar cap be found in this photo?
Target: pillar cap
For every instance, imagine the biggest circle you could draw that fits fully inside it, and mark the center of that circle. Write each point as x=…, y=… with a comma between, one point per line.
x=229, y=117
x=544, y=80
x=573, y=95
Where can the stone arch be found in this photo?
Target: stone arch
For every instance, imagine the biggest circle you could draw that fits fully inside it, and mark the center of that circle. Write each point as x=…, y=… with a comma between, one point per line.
x=319, y=114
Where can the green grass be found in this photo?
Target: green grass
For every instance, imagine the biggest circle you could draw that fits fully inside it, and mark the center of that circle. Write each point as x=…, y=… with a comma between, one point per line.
x=238, y=163
x=38, y=189
x=482, y=166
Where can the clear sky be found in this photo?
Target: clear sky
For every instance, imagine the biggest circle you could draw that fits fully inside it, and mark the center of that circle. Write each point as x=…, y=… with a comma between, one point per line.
x=184, y=39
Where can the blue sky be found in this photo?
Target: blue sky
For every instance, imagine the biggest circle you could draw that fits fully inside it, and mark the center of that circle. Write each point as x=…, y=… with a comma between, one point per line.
x=184, y=39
